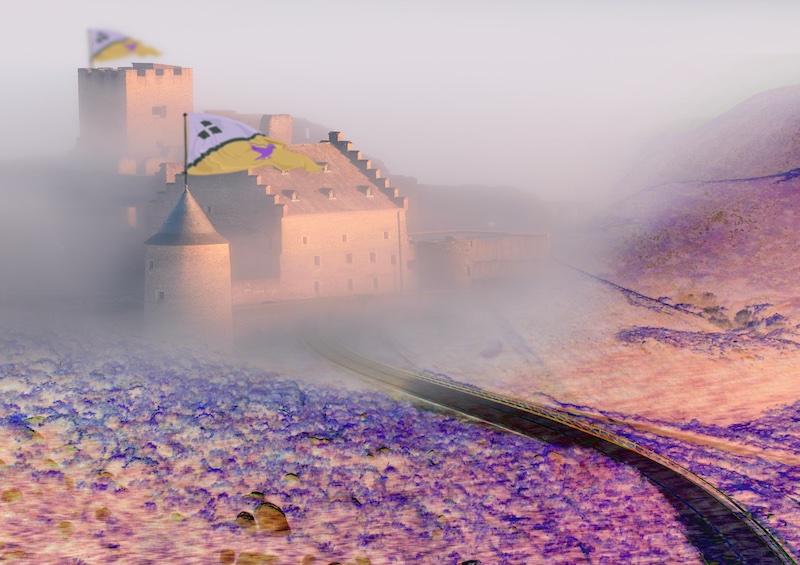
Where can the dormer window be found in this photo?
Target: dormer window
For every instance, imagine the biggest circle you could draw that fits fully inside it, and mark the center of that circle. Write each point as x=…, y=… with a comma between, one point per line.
x=326, y=168
x=331, y=194
x=369, y=192
x=295, y=197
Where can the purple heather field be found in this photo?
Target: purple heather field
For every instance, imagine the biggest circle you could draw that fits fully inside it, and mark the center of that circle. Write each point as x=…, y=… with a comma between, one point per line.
x=117, y=451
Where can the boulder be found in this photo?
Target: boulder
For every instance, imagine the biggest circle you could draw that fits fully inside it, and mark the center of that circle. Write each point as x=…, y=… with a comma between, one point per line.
x=271, y=518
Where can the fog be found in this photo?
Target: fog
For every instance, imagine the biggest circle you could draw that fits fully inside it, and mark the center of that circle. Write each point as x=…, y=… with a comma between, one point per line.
x=549, y=96
x=506, y=124
x=540, y=101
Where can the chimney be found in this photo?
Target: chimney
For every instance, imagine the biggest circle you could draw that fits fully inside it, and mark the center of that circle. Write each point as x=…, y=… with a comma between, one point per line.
x=277, y=127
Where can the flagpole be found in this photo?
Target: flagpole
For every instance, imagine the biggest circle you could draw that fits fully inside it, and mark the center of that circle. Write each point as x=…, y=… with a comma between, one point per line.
x=185, y=153
x=91, y=59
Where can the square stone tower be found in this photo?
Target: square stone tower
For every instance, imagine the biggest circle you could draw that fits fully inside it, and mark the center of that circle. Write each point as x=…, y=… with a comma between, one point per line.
x=135, y=113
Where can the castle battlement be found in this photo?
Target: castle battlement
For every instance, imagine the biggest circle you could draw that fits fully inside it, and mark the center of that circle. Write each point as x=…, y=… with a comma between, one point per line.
x=336, y=139
x=138, y=69
x=134, y=115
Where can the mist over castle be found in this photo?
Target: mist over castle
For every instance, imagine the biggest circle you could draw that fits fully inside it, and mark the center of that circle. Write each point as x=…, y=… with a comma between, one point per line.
x=284, y=235
x=572, y=220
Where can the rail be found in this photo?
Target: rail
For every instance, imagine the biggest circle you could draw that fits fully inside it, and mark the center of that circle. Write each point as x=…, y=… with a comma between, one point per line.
x=334, y=350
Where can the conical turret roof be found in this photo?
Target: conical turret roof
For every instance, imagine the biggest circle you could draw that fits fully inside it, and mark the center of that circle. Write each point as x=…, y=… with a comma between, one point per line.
x=186, y=225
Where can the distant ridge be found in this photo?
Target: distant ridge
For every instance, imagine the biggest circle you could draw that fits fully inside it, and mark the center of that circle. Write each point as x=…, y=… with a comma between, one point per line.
x=756, y=138
x=715, y=210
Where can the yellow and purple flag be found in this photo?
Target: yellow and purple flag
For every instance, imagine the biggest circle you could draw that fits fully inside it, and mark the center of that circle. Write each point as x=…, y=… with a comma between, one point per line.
x=107, y=44
x=217, y=145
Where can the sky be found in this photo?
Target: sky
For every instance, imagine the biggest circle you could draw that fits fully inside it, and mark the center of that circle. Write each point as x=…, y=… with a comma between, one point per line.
x=551, y=96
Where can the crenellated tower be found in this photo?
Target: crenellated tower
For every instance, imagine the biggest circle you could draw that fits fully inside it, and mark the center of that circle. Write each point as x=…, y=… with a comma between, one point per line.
x=132, y=117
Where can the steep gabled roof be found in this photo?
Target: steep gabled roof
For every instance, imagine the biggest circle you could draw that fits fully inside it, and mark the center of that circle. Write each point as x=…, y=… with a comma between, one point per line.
x=186, y=225
x=351, y=189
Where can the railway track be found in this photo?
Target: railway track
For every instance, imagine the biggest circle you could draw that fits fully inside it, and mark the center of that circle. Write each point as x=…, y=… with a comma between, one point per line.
x=715, y=524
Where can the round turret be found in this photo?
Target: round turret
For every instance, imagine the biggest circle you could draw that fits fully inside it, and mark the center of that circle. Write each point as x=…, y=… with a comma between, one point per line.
x=187, y=296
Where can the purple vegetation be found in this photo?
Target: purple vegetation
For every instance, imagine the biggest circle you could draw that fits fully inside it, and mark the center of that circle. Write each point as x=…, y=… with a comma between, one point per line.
x=355, y=471
x=766, y=484
x=705, y=342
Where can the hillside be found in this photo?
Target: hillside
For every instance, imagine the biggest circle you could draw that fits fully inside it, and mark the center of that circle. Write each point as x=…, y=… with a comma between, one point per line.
x=735, y=239
x=713, y=218
x=758, y=137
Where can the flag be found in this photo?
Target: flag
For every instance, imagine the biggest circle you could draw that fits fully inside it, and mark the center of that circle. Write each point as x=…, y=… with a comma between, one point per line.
x=107, y=44
x=217, y=145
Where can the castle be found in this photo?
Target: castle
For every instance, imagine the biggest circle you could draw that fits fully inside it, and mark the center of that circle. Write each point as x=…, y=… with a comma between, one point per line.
x=274, y=236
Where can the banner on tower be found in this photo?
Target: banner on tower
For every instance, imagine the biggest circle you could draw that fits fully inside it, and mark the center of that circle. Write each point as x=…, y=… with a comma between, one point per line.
x=217, y=145
x=107, y=44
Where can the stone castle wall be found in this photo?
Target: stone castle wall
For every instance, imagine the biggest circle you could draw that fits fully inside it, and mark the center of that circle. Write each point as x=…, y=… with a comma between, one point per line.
x=358, y=252
x=255, y=291
x=242, y=212
x=277, y=255
x=460, y=260
x=157, y=100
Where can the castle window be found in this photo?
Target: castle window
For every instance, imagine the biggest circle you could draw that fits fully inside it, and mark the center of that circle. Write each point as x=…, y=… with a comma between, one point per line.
x=349, y=284
x=150, y=264
x=386, y=235
x=394, y=259
x=372, y=257
x=344, y=238
x=349, y=258
x=161, y=296
x=177, y=71
x=159, y=72
x=375, y=282
x=208, y=209
x=316, y=287
x=305, y=240
x=160, y=111
x=316, y=260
